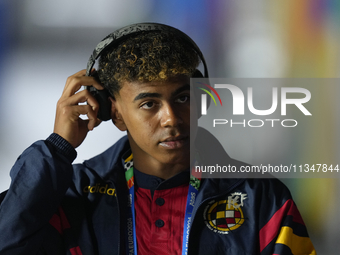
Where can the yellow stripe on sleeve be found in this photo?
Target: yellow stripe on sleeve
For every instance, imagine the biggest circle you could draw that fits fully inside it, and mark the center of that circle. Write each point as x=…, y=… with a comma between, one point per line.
x=297, y=244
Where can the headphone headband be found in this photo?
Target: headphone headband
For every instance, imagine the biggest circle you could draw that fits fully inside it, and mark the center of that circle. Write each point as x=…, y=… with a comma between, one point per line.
x=130, y=30
x=113, y=39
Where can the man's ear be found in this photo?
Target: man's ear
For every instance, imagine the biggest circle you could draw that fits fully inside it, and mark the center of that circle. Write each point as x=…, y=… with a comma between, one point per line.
x=116, y=116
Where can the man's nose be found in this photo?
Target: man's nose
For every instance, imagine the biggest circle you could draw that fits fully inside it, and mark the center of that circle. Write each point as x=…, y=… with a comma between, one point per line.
x=170, y=116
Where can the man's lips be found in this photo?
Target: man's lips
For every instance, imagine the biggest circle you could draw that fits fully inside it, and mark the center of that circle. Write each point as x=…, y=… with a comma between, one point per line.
x=175, y=142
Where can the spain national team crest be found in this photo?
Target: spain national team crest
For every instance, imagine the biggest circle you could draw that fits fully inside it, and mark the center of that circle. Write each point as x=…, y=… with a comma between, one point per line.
x=225, y=215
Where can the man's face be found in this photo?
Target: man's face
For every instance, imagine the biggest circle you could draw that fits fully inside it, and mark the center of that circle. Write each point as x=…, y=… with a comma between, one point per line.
x=157, y=118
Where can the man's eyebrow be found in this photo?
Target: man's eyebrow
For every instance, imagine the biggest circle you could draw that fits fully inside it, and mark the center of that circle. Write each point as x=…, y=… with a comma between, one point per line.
x=157, y=95
x=144, y=95
x=181, y=89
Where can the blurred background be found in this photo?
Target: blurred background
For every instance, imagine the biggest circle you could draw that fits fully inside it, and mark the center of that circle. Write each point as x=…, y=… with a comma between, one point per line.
x=43, y=42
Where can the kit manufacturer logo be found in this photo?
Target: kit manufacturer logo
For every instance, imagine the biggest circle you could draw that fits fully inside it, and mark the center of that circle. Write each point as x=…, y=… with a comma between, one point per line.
x=98, y=188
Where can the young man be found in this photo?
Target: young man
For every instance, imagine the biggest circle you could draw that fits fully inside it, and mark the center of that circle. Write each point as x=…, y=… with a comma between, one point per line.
x=138, y=196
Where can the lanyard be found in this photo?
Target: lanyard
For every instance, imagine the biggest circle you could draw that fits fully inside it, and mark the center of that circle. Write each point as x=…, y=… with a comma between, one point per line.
x=131, y=239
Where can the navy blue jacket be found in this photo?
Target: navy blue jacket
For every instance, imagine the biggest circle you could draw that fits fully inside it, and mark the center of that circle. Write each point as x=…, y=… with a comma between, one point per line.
x=54, y=207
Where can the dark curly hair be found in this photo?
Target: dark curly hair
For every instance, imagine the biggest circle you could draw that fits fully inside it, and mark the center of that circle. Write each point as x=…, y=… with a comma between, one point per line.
x=148, y=56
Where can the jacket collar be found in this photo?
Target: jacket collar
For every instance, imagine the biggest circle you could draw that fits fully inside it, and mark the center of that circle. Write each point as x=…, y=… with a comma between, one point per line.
x=109, y=164
x=211, y=153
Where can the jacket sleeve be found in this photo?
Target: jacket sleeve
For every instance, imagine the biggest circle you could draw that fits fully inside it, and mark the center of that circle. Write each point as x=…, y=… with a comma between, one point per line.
x=285, y=232
x=40, y=178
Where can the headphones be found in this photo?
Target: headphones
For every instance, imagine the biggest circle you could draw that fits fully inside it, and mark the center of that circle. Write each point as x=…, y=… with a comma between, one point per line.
x=114, y=39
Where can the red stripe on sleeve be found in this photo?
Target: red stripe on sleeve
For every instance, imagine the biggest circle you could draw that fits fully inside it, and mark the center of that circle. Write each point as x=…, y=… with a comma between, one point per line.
x=60, y=222
x=271, y=229
x=76, y=251
x=55, y=222
x=64, y=222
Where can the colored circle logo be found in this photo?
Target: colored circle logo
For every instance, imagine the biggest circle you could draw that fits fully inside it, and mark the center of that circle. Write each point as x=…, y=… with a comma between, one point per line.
x=223, y=216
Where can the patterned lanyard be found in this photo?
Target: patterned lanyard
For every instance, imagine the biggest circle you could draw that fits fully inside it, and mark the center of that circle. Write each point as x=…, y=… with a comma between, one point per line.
x=131, y=239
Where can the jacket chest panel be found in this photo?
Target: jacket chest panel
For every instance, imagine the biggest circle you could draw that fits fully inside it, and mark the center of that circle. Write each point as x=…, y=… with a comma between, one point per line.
x=225, y=225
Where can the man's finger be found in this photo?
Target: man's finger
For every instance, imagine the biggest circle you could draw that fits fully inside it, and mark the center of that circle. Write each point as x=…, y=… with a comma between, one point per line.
x=75, y=83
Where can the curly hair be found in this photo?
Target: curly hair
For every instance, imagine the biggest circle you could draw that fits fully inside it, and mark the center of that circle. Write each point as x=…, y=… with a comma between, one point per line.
x=148, y=56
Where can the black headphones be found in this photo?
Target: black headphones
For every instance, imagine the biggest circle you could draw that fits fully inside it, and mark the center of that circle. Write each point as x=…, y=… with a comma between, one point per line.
x=113, y=39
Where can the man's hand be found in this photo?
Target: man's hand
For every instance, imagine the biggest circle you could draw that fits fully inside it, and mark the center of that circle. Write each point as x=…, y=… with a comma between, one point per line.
x=68, y=124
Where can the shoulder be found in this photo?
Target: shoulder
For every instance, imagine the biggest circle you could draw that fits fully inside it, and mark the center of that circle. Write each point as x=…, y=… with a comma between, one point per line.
x=260, y=187
x=262, y=190
x=108, y=159
x=2, y=196
x=229, y=172
x=102, y=169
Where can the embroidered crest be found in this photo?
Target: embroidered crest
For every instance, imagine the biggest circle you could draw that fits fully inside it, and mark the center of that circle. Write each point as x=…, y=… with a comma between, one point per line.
x=225, y=215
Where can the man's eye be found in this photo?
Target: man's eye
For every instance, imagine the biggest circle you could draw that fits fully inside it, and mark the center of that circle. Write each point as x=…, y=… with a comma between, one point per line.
x=182, y=99
x=148, y=105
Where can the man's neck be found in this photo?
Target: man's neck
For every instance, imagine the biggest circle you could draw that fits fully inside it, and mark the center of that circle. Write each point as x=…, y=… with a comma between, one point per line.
x=162, y=165
x=164, y=171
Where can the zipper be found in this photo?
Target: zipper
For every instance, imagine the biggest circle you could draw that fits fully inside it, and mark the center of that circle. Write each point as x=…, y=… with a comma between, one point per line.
x=119, y=222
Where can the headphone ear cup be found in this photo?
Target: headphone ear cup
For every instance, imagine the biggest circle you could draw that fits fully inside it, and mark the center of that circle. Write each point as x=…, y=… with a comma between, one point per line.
x=102, y=97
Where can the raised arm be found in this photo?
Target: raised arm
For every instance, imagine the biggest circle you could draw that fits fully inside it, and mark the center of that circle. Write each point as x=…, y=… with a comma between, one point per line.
x=43, y=173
